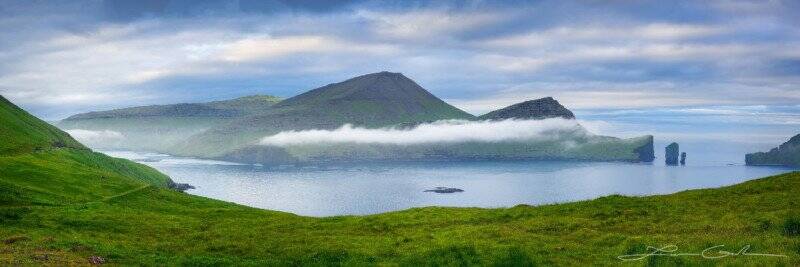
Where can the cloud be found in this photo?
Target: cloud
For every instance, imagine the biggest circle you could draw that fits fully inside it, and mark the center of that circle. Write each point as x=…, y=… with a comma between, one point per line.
x=261, y=48
x=447, y=131
x=95, y=137
x=59, y=58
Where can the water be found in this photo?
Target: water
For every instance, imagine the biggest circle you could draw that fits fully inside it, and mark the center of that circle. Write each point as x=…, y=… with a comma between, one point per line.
x=376, y=188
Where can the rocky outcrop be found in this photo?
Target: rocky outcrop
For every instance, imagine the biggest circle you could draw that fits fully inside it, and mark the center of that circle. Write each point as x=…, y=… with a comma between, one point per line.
x=543, y=108
x=683, y=158
x=646, y=152
x=179, y=187
x=671, y=153
x=787, y=154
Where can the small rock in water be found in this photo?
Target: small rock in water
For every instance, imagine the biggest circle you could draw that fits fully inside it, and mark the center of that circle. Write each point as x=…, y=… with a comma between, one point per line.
x=444, y=190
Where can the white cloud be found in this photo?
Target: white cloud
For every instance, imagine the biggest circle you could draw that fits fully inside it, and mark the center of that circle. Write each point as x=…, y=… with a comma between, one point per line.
x=260, y=48
x=448, y=131
x=421, y=24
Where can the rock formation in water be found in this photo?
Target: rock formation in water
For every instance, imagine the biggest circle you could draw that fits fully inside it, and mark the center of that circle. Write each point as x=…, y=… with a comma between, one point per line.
x=787, y=154
x=671, y=154
x=683, y=158
x=543, y=108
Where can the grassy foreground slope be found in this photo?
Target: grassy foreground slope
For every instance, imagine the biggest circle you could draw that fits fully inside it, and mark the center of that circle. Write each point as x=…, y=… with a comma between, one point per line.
x=42, y=165
x=156, y=227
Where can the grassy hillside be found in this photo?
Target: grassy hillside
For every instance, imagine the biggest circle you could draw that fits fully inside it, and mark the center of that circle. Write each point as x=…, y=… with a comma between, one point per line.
x=42, y=165
x=20, y=132
x=160, y=227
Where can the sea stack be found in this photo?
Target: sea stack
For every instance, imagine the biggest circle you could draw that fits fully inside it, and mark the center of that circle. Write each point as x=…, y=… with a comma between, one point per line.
x=671, y=154
x=683, y=158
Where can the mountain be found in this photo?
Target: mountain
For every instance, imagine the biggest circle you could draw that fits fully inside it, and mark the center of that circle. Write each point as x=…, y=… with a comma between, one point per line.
x=570, y=141
x=382, y=100
x=158, y=128
x=543, y=108
x=229, y=108
x=787, y=154
x=40, y=164
x=373, y=100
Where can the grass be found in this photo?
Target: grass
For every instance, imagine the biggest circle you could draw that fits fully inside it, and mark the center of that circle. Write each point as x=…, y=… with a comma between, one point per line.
x=157, y=226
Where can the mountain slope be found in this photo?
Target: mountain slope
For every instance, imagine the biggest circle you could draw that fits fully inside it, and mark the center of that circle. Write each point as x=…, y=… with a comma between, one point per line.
x=372, y=100
x=543, y=108
x=787, y=154
x=224, y=109
x=157, y=128
x=22, y=132
x=40, y=164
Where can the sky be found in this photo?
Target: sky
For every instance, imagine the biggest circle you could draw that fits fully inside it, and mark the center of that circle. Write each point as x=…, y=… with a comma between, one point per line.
x=615, y=62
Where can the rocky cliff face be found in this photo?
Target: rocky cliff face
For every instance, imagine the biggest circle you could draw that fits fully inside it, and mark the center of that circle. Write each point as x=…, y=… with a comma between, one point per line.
x=646, y=153
x=787, y=154
x=543, y=108
x=671, y=154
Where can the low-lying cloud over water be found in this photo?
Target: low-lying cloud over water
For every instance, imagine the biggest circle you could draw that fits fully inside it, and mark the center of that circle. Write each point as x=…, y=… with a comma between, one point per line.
x=445, y=131
x=89, y=136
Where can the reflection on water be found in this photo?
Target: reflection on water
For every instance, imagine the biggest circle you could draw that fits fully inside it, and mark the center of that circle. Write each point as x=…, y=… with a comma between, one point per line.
x=376, y=188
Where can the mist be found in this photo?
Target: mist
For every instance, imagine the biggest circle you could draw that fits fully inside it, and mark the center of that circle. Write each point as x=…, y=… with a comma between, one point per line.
x=445, y=131
x=96, y=138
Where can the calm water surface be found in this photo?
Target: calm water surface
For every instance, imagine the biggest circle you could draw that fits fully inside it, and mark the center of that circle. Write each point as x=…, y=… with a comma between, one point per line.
x=359, y=189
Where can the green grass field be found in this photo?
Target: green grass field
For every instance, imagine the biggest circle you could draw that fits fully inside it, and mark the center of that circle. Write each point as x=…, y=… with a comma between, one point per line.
x=137, y=222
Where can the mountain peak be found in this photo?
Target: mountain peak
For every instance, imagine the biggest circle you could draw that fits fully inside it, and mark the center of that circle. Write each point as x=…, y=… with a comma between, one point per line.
x=389, y=95
x=542, y=108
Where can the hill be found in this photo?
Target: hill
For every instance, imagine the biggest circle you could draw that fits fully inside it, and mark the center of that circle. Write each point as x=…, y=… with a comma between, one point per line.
x=372, y=100
x=23, y=133
x=787, y=154
x=543, y=108
x=40, y=164
x=157, y=128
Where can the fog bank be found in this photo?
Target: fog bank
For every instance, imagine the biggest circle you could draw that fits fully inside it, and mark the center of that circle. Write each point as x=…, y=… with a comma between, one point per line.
x=446, y=131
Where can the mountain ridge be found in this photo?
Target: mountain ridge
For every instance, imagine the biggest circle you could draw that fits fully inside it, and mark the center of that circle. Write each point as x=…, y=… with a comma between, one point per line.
x=223, y=108
x=537, y=109
x=787, y=154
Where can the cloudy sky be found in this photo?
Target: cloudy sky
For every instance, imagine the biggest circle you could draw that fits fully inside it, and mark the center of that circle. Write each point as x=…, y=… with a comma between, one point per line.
x=605, y=59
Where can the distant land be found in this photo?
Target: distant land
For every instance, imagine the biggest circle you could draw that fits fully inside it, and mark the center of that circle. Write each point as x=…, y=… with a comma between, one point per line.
x=233, y=130
x=787, y=154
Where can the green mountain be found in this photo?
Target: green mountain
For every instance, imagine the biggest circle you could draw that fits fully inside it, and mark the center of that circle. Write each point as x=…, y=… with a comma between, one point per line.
x=68, y=206
x=372, y=100
x=40, y=164
x=543, y=108
x=158, y=128
x=787, y=154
